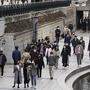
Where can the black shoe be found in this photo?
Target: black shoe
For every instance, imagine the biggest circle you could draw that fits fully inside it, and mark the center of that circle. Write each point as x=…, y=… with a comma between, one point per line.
x=27, y=85
x=24, y=86
x=51, y=78
x=13, y=86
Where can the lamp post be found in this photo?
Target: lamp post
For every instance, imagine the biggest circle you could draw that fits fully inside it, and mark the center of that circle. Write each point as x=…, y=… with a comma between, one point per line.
x=35, y=27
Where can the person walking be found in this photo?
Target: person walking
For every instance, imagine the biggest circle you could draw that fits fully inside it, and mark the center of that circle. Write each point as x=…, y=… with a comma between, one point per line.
x=83, y=44
x=69, y=51
x=47, y=52
x=51, y=63
x=74, y=43
x=67, y=39
x=57, y=33
x=17, y=74
x=25, y=57
x=57, y=55
x=16, y=55
x=89, y=48
x=40, y=65
x=65, y=54
x=79, y=53
x=3, y=60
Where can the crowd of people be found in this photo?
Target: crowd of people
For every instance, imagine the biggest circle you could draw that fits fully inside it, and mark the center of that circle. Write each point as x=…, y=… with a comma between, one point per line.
x=84, y=24
x=32, y=58
x=32, y=61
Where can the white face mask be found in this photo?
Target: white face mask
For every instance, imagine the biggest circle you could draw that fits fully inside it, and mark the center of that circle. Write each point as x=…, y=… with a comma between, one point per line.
x=58, y=28
x=34, y=50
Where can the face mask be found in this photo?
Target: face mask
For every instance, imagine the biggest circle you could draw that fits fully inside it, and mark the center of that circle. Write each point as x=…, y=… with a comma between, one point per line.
x=34, y=50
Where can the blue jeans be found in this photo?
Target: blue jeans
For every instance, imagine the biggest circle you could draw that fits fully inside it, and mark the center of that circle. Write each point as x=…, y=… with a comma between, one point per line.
x=33, y=80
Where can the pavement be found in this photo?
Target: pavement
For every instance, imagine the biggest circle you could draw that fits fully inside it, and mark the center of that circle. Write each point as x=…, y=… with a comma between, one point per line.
x=44, y=83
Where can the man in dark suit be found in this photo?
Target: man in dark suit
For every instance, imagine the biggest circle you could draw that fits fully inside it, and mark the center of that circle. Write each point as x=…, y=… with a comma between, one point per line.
x=3, y=60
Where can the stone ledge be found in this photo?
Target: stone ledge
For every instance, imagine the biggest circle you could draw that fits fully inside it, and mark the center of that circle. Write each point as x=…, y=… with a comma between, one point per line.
x=76, y=72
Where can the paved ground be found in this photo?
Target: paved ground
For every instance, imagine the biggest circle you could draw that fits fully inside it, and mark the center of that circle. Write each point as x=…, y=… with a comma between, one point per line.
x=45, y=83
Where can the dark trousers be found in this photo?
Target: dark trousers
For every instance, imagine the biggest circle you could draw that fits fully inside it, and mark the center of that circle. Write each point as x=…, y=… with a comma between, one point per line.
x=79, y=58
x=57, y=39
x=47, y=59
x=39, y=72
x=33, y=80
x=74, y=50
x=2, y=69
x=26, y=77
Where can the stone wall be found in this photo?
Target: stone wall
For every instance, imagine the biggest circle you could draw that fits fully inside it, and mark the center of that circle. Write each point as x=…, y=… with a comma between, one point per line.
x=48, y=29
x=22, y=39
x=18, y=30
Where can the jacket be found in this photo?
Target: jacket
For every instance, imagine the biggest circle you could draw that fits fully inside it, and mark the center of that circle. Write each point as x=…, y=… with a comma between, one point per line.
x=26, y=56
x=3, y=59
x=16, y=55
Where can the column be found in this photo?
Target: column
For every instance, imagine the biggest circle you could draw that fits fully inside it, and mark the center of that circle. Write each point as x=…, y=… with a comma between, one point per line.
x=35, y=27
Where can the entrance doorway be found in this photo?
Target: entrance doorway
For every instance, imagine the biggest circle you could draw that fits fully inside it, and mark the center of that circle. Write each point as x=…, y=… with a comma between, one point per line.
x=83, y=20
x=79, y=18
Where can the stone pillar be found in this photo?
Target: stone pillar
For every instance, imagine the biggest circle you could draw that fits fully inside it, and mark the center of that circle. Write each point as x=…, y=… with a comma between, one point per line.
x=2, y=26
x=35, y=27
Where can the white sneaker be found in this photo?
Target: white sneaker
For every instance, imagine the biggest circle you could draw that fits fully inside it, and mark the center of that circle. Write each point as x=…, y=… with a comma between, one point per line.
x=34, y=87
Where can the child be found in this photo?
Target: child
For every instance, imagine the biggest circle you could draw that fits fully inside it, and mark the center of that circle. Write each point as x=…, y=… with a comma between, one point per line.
x=17, y=74
x=33, y=72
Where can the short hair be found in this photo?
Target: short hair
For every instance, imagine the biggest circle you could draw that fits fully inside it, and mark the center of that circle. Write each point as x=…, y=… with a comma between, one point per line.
x=16, y=47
